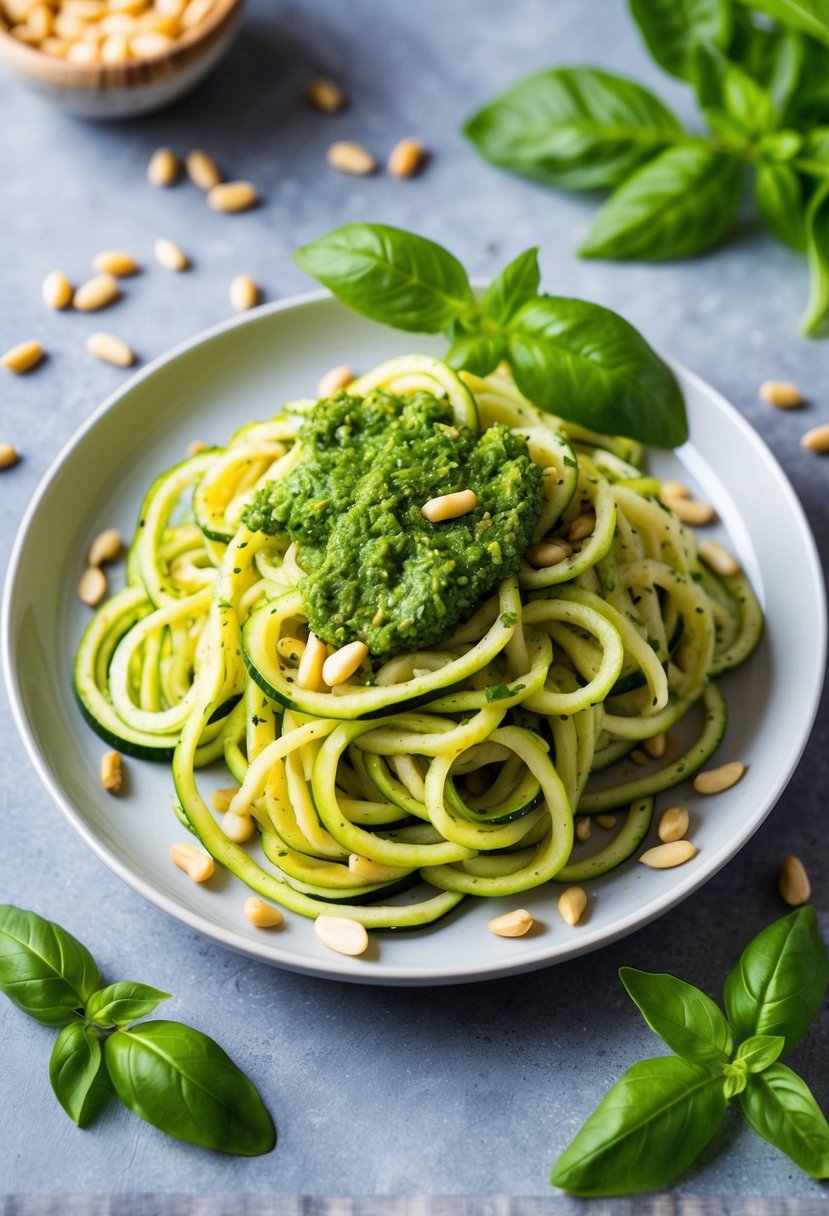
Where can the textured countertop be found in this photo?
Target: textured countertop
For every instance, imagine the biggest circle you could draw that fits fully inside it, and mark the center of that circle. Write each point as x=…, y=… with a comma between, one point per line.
x=376, y=1091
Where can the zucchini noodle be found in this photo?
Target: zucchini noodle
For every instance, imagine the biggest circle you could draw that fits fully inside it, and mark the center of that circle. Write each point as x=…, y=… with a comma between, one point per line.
x=435, y=774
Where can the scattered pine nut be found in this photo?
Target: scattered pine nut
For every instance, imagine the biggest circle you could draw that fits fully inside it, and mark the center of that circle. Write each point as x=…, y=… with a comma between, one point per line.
x=673, y=489
x=716, y=780
x=342, y=934
x=110, y=349
x=583, y=828
x=112, y=773
x=237, y=828
x=449, y=506
x=115, y=262
x=309, y=672
x=222, y=799
x=8, y=456
x=718, y=558
x=372, y=871
x=195, y=446
x=638, y=756
x=163, y=169
x=244, y=293
x=232, y=196
x=169, y=255
x=115, y=48
x=781, y=394
x=150, y=45
x=606, y=821
x=582, y=526
x=689, y=511
x=106, y=547
x=795, y=888
x=198, y=866
x=56, y=291
x=673, y=824
x=346, y=156
x=571, y=904
x=93, y=586
x=656, y=747
x=23, y=357
x=333, y=381
x=342, y=664
x=96, y=293
x=264, y=916
x=817, y=439
x=511, y=924
x=666, y=856
x=326, y=96
x=548, y=553
x=406, y=158
x=194, y=13
x=202, y=170
x=82, y=52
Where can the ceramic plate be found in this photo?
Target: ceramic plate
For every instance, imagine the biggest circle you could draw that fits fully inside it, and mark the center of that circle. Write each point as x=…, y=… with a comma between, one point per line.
x=243, y=370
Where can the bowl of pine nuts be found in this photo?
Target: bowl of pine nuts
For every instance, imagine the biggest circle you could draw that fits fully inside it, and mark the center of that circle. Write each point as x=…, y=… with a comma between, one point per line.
x=111, y=59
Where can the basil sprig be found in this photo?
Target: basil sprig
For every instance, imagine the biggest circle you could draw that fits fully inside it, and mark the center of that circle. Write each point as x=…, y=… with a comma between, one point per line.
x=169, y=1074
x=658, y=1118
x=576, y=359
x=760, y=73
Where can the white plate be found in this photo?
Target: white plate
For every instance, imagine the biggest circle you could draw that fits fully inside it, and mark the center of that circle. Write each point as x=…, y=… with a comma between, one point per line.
x=243, y=370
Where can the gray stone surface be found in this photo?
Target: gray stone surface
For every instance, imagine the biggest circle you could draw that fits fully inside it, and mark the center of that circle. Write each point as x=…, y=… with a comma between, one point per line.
x=450, y=1091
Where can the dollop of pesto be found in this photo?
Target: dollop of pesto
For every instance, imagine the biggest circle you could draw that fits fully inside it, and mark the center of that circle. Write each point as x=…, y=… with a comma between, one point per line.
x=375, y=569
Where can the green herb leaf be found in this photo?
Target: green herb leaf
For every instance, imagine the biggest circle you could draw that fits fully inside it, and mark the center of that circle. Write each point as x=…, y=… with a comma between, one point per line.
x=778, y=193
x=588, y=364
x=392, y=276
x=761, y=1050
x=182, y=1082
x=688, y=1020
x=577, y=128
x=516, y=285
x=672, y=27
x=43, y=969
x=736, y=1079
x=479, y=353
x=781, y=145
x=122, y=1003
x=780, y=1107
x=784, y=68
x=748, y=102
x=648, y=1128
x=778, y=985
x=810, y=16
x=78, y=1073
x=677, y=205
x=815, y=321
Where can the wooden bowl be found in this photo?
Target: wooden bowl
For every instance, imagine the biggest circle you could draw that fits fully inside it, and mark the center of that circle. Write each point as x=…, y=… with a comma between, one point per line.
x=136, y=86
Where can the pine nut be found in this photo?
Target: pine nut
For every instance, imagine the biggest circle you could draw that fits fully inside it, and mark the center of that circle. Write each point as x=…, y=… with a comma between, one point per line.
x=449, y=506
x=169, y=255
x=511, y=924
x=583, y=828
x=342, y=934
x=56, y=291
x=195, y=13
x=237, y=828
x=548, y=553
x=715, y=780
x=115, y=49
x=232, y=196
x=666, y=856
x=342, y=664
x=582, y=526
x=202, y=170
x=606, y=821
x=333, y=381
x=110, y=349
x=198, y=866
x=106, y=547
x=372, y=871
x=656, y=747
x=816, y=440
x=23, y=357
x=263, y=915
x=93, y=586
x=244, y=293
x=222, y=799
x=112, y=773
x=163, y=168
x=326, y=96
x=58, y=47
x=120, y=26
x=571, y=904
x=96, y=293
x=115, y=262
x=794, y=885
x=406, y=158
x=68, y=27
x=309, y=672
x=24, y=33
x=195, y=446
x=349, y=157
x=638, y=756
x=781, y=394
x=719, y=559
x=40, y=21
x=8, y=456
x=689, y=511
x=673, y=824
x=672, y=490
x=82, y=52
x=150, y=45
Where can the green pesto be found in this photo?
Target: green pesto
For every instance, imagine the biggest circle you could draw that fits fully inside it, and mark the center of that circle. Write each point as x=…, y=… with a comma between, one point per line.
x=376, y=569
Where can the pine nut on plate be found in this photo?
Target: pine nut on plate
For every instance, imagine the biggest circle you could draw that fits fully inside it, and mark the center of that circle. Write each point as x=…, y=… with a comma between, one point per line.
x=96, y=293
x=169, y=255
x=666, y=856
x=93, y=586
x=244, y=293
x=56, y=291
x=571, y=904
x=261, y=914
x=716, y=780
x=780, y=393
x=231, y=197
x=793, y=882
x=449, y=506
x=673, y=824
x=817, y=439
x=343, y=663
x=202, y=170
x=349, y=157
x=163, y=169
x=406, y=158
x=106, y=547
x=720, y=560
x=197, y=865
x=334, y=380
x=511, y=924
x=23, y=357
x=112, y=772
x=342, y=934
x=110, y=349
x=115, y=262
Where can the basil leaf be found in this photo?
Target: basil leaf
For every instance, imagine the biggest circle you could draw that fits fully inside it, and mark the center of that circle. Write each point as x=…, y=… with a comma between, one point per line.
x=747, y=102
x=784, y=68
x=809, y=103
x=761, y=1050
x=78, y=1073
x=515, y=285
x=816, y=148
x=122, y=1003
x=589, y=365
x=736, y=1079
x=577, y=128
x=672, y=27
x=782, y=145
x=810, y=16
x=682, y=1015
x=392, y=276
x=678, y=205
x=815, y=320
x=43, y=969
x=778, y=193
x=780, y=1107
x=182, y=1082
x=778, y=985
x=708, y=67
x=477, y=353
x=646, y=1130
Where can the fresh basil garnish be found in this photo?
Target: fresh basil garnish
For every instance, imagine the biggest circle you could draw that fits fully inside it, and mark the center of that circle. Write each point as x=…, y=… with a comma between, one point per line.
x=671, y=28
x=78, y=1073
x=780, y=1107
x=690, y=1023
x=43, y=969
x=122, y=1003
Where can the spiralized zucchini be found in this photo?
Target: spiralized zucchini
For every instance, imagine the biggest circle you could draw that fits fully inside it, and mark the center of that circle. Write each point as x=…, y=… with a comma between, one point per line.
x=437, y=774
